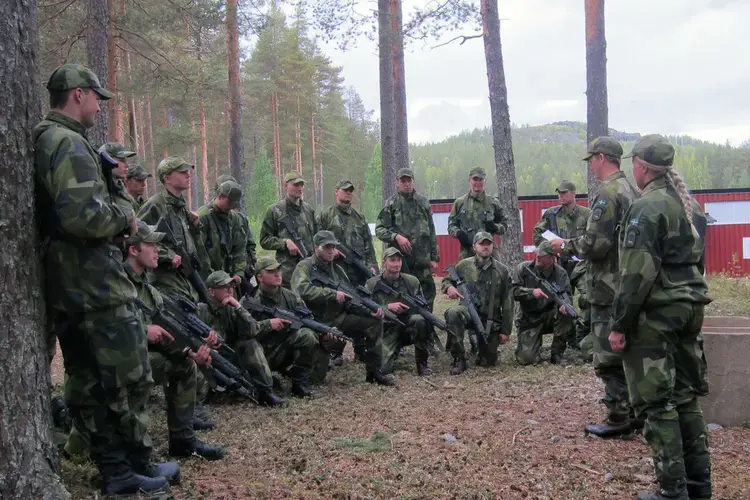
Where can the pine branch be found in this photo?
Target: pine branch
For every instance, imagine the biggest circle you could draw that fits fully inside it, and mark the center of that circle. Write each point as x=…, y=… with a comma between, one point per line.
x=463, y=37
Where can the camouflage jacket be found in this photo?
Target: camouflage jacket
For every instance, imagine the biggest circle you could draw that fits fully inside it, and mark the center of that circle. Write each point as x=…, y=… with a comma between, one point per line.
x=222, y=243
x=523, y=288
x=175, y=210
x=661, y=260
x=273, y=232
x=123, y=198
x=284, y=299
x=479, y=279
x=351, y=228
x=78, y=220
x=465, y=216
x=320, y=299
x=598, y=245
x=233, y=324
x=405, y=283
x=565, y=223
x=409, y=215
x=250, y=255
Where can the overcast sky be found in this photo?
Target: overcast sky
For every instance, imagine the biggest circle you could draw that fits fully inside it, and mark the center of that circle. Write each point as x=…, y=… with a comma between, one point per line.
x=674, y=67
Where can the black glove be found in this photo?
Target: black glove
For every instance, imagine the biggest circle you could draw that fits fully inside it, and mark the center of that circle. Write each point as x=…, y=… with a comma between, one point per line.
x=464, y=238
x=490, y=227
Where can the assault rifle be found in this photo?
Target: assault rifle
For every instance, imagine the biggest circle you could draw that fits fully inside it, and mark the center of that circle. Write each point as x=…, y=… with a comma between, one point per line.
x=360, y=296
x=413, y=302
x=554, y=292
x=355, y=259
x=192, y=331
x=291, y=227
x=468, y=301
x=300, y=317
x=463, y=219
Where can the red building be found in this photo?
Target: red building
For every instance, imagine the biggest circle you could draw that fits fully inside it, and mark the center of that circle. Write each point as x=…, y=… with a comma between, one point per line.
x=727, y=239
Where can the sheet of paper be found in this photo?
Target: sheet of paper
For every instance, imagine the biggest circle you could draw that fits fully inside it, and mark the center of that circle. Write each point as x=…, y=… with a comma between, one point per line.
x=549, y=236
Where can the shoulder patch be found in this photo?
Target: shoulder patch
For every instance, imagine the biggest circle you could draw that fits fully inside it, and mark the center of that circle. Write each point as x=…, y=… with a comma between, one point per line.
x=632, y=236
x=598, y=211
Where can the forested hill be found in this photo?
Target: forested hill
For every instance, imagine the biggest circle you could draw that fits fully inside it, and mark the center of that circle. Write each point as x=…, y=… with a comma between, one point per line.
x=546, y=154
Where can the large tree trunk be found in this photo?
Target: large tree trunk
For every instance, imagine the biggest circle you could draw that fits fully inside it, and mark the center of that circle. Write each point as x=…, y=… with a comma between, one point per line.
x=29, y=458
x=237, y=160
x=148, y=145
x=597, y=112
x=276, y=141
x=134, y=137
x=401, y=145
x=115, y=129
x=387, y=111
x=511, y=248
x=97, y=28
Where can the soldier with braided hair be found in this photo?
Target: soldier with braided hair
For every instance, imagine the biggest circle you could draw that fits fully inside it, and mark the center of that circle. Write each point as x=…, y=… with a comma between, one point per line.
x=656, y=321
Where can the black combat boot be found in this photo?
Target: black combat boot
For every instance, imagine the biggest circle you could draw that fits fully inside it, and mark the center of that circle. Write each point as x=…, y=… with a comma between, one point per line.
x=610, y=428
x=699, y=490
x=675, y=493
x=168, y=470
x=189, y=447
x=301, y=385
x=203, y=425
x=459, y=365
x=60, y=414
x=269, y=398
x=423, y=367
x=557, y=359
x=128, y=483
x=202, y=412
x=337, y=360
x=380, y=378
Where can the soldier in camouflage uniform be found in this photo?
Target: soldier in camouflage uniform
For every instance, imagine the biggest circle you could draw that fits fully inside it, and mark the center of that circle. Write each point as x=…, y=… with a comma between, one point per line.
x=537, y=313
x=656, y=321
x=330, y=306
x=275, y=234
x=417, y=330
x=283, y=346
x=120, y=155
x=250, y=245
x=222, y=242
x=90, y=300
x=405, y=222
x=240, y=331
x=174, y=174
x=568, y=221
x=350, y=228
x=598, y=246
x=476, y=211
x=490, y=282
x=135, y=183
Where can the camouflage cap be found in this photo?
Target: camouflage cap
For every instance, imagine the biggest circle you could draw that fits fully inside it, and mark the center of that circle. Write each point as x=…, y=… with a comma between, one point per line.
x=391, y=251
x=231, y=190
x=404, y=172
x=605, y=145
x=477, y=172
x=76, y=76
x=116, y=150
x=221, y=180
x=293, y=178
x=344, y=184
x=483, y=236
x=267, y=263
x=565, y=186
x=544, y=248
x=137, y=171
x=172, y=164
x=219, y=279
x=654, y=149
x=324, y=238
x=145, y=234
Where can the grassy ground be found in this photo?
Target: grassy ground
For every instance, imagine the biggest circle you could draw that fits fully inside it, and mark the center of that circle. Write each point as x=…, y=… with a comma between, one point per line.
x=507, y=432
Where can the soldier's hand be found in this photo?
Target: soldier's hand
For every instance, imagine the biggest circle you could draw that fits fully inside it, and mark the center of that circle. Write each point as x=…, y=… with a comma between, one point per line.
x=156, y=335
x=404, y=244
x=617, y=341
x=398, y=307
x=212, y=339
x=193, y=218
x=292, y=248
x=433, y=266
x=176, y=261
x=374, y=271
x=538, y=293
x=279, y=324
x=237, y=279
x=341, y=297
x=378, y=314
x=563, y=311
x=503, y=339
x=338, y=254
x=453, y=293
x=230, y=302
x=557, y=244
x=202, y=356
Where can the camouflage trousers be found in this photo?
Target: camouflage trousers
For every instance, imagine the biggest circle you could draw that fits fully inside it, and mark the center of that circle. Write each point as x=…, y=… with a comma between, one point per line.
x=608, y=365
x=366, y=328
x=178, y=376
x=424, y=275
x=531, y=328
x=417, y=331
x=107, y=384
x=458, y=320
x=250, y=357
x=583, y=323
x=291, y=352
x=665, y=368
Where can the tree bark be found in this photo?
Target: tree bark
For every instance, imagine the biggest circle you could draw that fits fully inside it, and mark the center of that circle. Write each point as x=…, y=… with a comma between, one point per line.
x=511, y=248
x=387, y=111
x=115, y=129
x=215, y=138
x=597, y=112
x=204, y=148
x=401, y=144
x=276, y=141
x=237, y=150
x=97, y=29
x=193, y=196
x=312, y=162
x=29, y=463
x=130, y=100
x=148, y=145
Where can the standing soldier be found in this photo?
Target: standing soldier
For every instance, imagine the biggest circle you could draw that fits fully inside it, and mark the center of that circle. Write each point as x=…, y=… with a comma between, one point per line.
x=490, y=282
x=598, y=246
x=89, y=297
x=250, y=245
x=135, y=183
x=568, y=221
x=476, y=211
x=119, y=171
x=656, y=321
x=289, y=226
x=330, y=306
x=538, y=313
x=417, y=330
x=174, y=174
x=405, y=222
